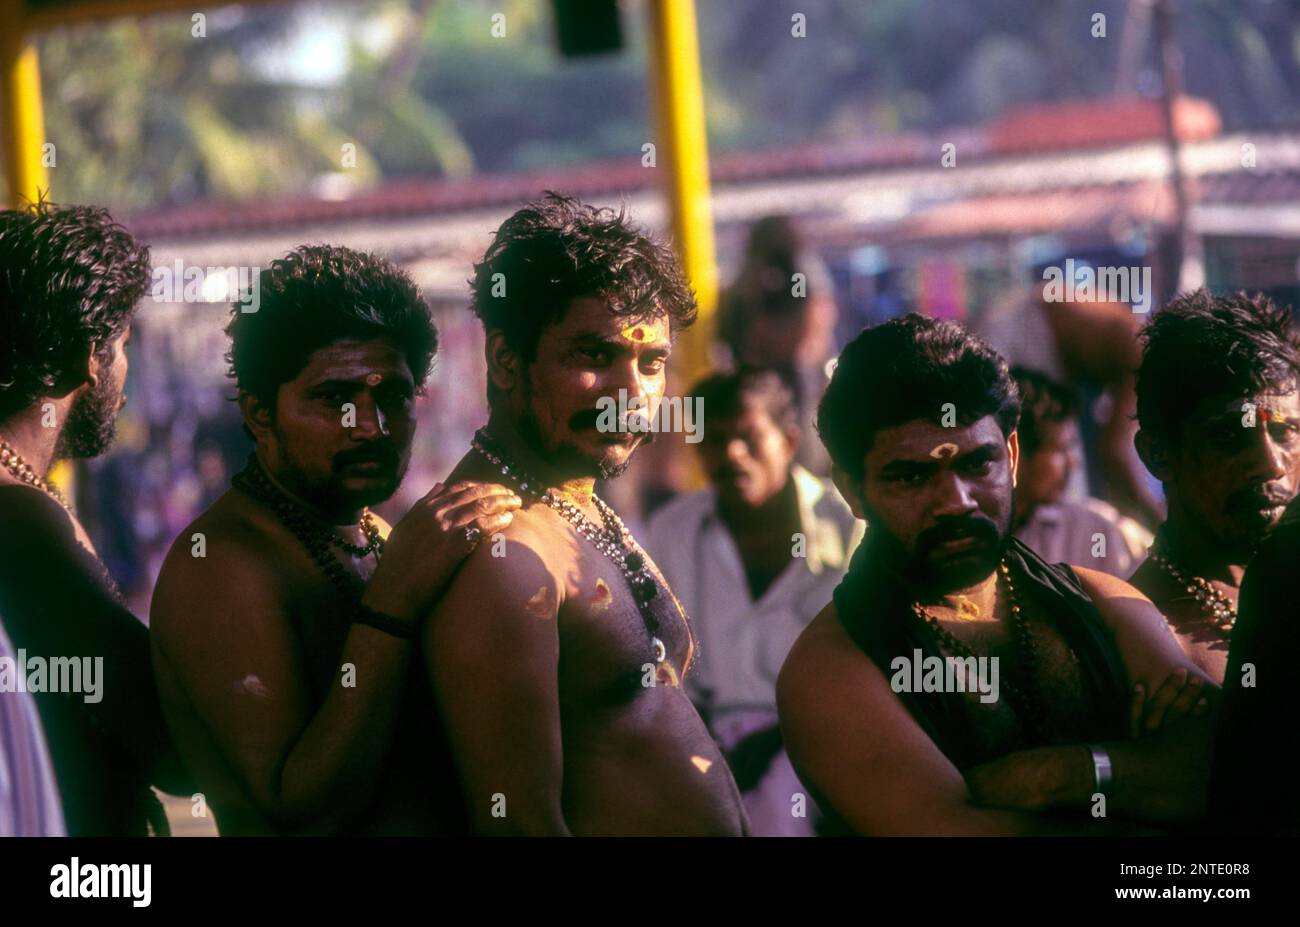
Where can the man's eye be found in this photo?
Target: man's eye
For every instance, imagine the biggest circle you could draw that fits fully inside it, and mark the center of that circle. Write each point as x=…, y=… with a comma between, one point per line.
x=978, y=467
x=1283, y=434
x=654, y=365
x=596, y=355
x=910, y=478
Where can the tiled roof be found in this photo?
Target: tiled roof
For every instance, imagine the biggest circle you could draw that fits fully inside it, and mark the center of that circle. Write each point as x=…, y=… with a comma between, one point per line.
x=1043, y=130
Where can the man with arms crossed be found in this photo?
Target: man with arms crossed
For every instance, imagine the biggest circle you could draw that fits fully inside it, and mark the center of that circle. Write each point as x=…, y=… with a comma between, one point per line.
x=283, y=649
x=919, y=421
x=558, y=650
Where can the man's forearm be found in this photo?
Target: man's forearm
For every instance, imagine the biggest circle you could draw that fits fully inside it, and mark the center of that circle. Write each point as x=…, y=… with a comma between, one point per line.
x=1159, y=778
x=329, y=774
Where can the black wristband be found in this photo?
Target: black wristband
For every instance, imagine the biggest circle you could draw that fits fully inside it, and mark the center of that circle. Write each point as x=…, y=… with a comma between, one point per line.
x=407, y=630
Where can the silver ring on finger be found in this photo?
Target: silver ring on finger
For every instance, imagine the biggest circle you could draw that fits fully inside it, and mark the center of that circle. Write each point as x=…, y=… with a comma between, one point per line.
x=473, y=534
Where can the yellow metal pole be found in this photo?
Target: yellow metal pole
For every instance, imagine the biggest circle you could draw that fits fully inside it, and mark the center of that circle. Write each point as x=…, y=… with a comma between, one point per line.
x=682, y=151
x=23, y=127
x=23, y=130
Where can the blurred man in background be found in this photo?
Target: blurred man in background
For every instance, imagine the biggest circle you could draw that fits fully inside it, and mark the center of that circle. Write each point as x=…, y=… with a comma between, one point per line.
x=1058, y=528
x=1083, y=344
x=780, y=313
x=1219, y=412
x=752, y=558
x=70, y=282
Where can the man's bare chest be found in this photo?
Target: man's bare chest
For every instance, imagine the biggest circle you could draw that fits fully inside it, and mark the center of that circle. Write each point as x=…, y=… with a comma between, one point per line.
x=613, y=646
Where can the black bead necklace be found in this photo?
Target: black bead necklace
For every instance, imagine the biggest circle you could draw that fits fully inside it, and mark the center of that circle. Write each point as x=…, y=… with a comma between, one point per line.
x=1026, y=695
x=613, y=540
x=317, y=538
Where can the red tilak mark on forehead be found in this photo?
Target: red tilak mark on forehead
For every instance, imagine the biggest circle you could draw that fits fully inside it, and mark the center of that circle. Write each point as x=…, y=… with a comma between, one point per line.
x=373, y=379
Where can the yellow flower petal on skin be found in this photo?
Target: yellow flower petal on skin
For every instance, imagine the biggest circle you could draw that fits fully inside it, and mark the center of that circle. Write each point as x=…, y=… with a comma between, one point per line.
x=542, y=603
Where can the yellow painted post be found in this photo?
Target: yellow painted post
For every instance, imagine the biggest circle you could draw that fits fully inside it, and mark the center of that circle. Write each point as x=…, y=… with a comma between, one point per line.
x=22, y=123
x=682, y=151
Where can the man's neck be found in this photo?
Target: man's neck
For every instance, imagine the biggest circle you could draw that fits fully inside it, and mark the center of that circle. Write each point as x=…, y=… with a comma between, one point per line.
x=336, y=517
x=30, y=439
x=984, y=594
x=774, y=515
x=1194, y=552
x=577, y=489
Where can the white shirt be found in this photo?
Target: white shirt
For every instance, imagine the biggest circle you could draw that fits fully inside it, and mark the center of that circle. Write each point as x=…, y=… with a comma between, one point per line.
x=742, y=643
x=1087, y=533
x=29, y=794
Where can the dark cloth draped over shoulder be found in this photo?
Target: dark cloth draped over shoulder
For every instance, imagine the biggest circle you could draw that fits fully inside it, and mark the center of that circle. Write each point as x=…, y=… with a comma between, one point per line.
x=1252, y=786
x=874, y=605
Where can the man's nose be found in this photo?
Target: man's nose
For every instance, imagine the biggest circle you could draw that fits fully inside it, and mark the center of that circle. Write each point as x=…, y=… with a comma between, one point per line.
x=371, y=422
x=952, y=496
x=1269, y=460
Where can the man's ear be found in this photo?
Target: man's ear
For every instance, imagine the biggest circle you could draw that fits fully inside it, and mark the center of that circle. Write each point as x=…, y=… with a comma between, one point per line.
x=1013, y=453
x=76, y=380
x=1154, y=454
x=257, y=415
x=848, y=488
x=792, y=439
x=503, y=364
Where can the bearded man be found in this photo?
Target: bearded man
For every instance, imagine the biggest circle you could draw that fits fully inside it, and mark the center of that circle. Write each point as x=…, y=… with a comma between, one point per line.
x=71, y=279
x=957, y=683
x=284, y=645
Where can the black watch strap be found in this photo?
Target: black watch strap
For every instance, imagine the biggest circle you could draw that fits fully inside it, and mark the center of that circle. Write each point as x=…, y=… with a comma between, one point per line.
x=407, y=630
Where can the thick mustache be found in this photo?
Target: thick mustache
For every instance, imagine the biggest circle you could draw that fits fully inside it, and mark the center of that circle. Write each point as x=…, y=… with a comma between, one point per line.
x=382, y=454
x=590, y=418
x=1258, y=498
x=978, y=528
x=587, y=418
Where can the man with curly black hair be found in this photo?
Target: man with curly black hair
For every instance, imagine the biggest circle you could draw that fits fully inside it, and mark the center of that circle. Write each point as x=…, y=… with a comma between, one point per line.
x=1218, y=404
x=70, y=282
x=283, y=641
x=957, y=683
x=558, y=651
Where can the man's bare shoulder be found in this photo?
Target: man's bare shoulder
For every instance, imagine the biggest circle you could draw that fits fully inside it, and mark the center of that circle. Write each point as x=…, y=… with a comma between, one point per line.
x=520, y=567
x=1142, y=634
x=1105, y=589
x=824, y=647
x=30, y=515
x=234, y=550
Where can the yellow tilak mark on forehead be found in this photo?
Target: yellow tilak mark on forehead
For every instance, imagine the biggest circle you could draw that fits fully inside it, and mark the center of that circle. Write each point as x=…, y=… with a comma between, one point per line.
x=542, y=604
x=1271, y=415
x=944, y=451
x=643, y=332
